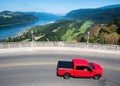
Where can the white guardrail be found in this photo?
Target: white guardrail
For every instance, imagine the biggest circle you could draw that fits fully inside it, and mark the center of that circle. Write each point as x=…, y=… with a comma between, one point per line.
x=7, y=45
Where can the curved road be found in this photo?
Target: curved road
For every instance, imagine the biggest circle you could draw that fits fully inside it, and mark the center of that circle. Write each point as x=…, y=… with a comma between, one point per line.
x=38, y=68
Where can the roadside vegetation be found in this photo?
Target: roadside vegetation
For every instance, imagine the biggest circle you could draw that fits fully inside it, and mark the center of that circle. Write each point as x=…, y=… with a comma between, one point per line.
x=104, y=33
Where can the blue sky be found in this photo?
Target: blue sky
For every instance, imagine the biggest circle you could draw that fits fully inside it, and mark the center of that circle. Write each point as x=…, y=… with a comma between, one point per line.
x=53, y=6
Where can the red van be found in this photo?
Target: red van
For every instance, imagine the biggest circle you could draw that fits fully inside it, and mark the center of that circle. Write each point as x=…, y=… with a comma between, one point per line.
x=79, y=68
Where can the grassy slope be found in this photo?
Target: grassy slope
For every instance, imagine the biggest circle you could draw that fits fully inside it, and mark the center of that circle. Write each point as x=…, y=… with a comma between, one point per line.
x=72, y=33
x=68, y=35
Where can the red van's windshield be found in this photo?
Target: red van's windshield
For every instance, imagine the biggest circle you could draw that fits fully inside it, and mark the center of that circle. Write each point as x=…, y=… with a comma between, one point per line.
x=92, y=66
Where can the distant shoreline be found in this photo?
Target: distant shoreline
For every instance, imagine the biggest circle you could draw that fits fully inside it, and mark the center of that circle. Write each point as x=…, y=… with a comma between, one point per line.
x=5, y=29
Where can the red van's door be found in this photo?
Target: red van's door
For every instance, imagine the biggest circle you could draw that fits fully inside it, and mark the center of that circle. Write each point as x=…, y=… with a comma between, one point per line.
x=82, y=71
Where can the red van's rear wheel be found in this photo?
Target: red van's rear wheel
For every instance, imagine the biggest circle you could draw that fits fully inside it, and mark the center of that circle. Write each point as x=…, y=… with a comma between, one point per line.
x=66, y=76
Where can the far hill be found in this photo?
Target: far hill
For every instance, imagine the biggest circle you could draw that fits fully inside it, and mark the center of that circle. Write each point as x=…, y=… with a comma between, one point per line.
x=8, y=18
x=96, y=15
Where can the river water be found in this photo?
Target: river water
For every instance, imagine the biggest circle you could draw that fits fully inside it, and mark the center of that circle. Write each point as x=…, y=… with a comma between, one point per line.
x=10, y=31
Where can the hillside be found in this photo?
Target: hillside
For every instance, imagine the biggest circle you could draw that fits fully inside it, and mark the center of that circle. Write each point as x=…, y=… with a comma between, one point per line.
x=110, y=6
x=102, y=33
x=12, y=18
x=97, y=15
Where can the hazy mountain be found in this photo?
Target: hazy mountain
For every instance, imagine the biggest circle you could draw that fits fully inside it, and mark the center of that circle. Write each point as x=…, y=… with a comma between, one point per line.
x=42, y=14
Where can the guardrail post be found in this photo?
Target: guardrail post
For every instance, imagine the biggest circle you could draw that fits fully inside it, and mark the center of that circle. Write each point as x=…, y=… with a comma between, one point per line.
x=87, y=45
x=116, y=47
x=9, y=46
x=32, y=44
x=61, y=44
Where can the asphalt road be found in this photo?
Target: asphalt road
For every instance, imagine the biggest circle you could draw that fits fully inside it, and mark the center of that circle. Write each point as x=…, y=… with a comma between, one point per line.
x=38, y=68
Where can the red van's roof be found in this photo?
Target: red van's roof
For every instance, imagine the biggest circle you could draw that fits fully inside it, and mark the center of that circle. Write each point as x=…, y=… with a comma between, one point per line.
x=80, y=62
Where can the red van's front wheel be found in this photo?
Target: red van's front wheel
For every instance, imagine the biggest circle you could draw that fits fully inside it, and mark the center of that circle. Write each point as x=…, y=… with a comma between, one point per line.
x=96, y=77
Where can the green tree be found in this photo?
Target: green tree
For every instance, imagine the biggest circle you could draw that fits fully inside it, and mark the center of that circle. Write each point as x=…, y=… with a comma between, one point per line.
x=118, y=30
x=117, y=22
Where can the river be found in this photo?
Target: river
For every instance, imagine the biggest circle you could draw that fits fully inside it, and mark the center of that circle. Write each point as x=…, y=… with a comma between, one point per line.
x=11, y=31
